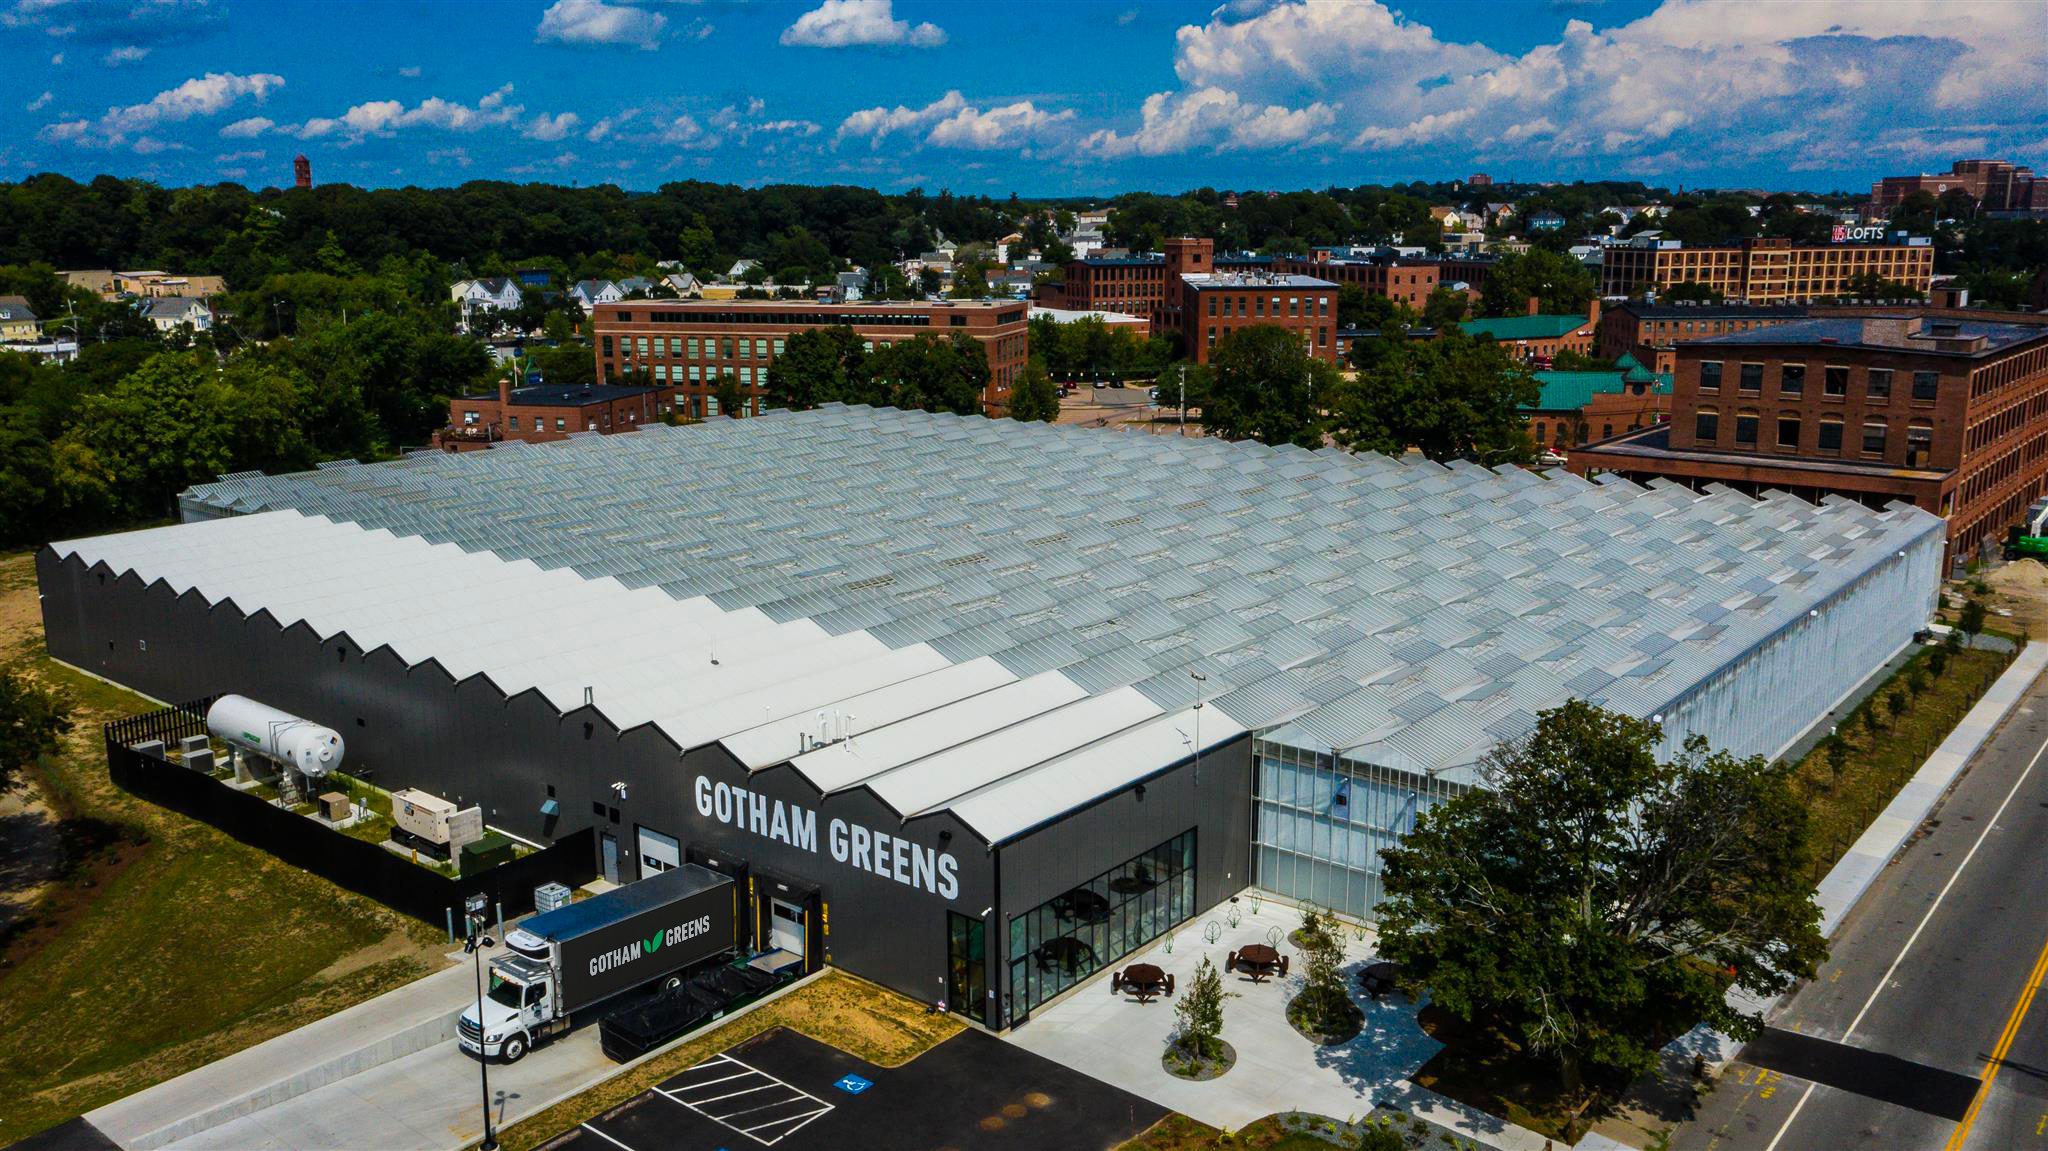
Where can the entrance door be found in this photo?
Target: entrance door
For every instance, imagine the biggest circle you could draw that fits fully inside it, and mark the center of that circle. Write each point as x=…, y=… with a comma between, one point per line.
x=966, y=966
x=611, y=857
x=786, y=927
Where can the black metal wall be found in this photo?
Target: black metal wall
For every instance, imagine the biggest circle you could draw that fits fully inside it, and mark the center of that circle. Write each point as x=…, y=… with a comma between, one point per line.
x=1081, y=845
x=417, y=727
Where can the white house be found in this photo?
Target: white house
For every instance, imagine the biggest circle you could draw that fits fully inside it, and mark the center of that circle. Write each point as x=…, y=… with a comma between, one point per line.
x=740, y=268
x=492, y=294
x=684, y=285
x=589, y=294
x=169, y=313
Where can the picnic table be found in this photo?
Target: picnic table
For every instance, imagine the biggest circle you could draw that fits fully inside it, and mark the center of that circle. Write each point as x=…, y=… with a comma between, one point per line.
x=1143, y=980
x=1381, y=978
x=1257, y=960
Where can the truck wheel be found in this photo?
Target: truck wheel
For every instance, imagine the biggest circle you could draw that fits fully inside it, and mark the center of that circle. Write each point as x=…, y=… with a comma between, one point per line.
x=513, y=1049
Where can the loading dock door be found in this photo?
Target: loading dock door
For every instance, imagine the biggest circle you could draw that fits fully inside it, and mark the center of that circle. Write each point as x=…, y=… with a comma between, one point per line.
x=787, y=927
x=658, y=852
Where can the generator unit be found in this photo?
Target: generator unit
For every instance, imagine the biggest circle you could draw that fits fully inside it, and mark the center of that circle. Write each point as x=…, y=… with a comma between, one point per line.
x=432, y=824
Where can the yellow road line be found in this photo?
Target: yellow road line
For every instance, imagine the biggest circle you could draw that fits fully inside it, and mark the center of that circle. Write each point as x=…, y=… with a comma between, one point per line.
x=1998, y=1053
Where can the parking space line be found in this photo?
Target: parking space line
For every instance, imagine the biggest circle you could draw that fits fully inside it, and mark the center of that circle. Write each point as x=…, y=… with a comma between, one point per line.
x=606, y=1138
x=791, y=1124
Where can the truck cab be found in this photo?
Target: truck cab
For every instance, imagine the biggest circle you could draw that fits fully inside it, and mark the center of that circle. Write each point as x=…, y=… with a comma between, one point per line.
x=519, y=1008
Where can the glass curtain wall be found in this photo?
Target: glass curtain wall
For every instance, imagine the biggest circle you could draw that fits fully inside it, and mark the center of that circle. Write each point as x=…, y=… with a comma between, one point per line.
x=1322, y=823
x=1082, y=930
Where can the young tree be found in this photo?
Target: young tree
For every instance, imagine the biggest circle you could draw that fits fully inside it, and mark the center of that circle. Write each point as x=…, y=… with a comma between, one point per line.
x=1199, y=1013
x=1454, y=397
x=1324, y=1006
x=1591, y=902
x=31, y=718
x=1970, y=622
x=1033, y=396
x=1262, y=384
x=731, y=400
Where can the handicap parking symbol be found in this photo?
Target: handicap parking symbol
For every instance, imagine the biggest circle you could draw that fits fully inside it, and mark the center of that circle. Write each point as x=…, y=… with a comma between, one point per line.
x=853, y=1084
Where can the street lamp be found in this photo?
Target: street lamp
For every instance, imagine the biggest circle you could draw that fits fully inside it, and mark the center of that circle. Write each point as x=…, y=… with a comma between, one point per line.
x=1184, y=404
x=1200, y=680
x=473, y=908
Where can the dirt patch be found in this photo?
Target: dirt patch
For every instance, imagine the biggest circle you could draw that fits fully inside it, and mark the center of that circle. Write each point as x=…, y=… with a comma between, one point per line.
x=30, y=855
x=2020, y=587
x=398, y=945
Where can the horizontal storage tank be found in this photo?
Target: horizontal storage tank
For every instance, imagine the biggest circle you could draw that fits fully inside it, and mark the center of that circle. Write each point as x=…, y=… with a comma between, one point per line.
x=312, y=749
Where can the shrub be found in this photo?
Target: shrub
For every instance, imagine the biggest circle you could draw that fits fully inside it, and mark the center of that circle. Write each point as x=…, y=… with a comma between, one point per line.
x=1378, y=1135
x=1200, y=1013
x=1937, y=661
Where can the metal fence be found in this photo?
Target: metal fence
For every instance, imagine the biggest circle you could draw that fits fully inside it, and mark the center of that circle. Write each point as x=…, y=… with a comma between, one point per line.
x=362, y=867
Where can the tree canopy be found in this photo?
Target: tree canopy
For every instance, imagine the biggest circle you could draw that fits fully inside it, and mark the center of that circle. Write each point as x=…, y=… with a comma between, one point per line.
x=1261, y=383
x=1559, y=283
x=1591, y=902
x=832, y=365
x=1453, y=397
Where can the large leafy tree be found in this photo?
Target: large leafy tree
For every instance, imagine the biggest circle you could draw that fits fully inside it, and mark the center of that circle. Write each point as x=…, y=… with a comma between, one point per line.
x=1453, y=397
x=1262, y=384
x=1556, y=280
x=1033, y=396
x=1591, y=902
x=818, y=366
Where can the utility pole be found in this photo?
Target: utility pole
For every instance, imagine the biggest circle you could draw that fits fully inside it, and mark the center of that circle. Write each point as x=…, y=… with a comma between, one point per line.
x=1184, y=411
x=1201, y=688
x=473, y=910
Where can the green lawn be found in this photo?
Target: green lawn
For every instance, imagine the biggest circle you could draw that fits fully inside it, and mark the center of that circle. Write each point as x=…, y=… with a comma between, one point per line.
x=1879, y=762
x=170, y=944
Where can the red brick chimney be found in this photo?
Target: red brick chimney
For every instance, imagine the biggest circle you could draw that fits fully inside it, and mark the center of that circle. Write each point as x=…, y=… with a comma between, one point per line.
x=504, y=393
x=1535, y=305
x=1593, y=312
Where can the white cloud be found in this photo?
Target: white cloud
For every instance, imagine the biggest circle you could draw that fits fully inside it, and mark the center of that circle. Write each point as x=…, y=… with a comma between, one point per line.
x=238, y=157
x=384, y=117
x=686, y=133
x=41, y=102
x=410, y=71
x=1212, y=118
x=1695, y=82
x=1010, y=126
x=459, y=157
x=876, y=123
x=150, y=146
x=846, y=23
x=207, y=95
x=57, y=61
x=248, y=129
x=596, y=22
x=546, y=127
x=1126, y=17
x=125, y=54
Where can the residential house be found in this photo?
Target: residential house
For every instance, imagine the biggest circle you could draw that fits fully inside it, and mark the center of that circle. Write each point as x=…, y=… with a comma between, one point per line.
x=1545, y=221
x=491, y=294
x=18, y=323
x=1449, y=219
x=684, y=285
x=740, y=268
x=169, y=313
x=632, y=284
x=853, y=285
x=588, y=294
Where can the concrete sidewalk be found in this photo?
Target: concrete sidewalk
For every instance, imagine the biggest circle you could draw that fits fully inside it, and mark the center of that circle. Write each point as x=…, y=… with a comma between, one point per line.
x=393, y=1025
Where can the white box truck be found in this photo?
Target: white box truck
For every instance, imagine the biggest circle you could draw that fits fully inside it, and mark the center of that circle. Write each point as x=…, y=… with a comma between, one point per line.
x=561, y=964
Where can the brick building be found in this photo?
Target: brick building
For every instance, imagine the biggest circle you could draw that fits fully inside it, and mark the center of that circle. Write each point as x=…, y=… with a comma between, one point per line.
x=1947, y=410
x=1468, y=268
x=1766, y=270
x=1581, y=407
x=1651, y=331
x=686, y=346
x=1206, y=304
x=1994, y=185
x=1537, y=338
x=1407, y=280
x=544, y=412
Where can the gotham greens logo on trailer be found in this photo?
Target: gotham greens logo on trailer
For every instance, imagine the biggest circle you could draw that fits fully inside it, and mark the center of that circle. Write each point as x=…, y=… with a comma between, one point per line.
x=869, y=849
x=618, y=957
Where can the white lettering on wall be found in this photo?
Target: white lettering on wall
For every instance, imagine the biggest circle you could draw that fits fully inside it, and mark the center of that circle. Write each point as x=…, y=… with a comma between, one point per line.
x=850, y=844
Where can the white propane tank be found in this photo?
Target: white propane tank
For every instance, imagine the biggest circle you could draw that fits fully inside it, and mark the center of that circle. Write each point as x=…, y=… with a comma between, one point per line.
x=278, y=735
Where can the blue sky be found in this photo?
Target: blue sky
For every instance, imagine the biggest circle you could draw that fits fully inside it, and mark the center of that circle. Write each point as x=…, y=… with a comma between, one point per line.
x=1072, y=97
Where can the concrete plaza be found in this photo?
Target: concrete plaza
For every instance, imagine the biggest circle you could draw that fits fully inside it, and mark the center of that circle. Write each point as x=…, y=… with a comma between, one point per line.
x=1117, y=1040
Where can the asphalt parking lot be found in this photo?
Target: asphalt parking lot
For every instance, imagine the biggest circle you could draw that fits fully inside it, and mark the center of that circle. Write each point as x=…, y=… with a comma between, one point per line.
x=784, y=1090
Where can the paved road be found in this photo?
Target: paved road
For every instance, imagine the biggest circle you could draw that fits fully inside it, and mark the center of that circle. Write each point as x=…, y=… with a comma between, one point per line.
x=1931, y=985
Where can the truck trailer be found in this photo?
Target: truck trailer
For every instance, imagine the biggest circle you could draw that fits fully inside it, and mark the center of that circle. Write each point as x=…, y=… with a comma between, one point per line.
x=562, y=964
